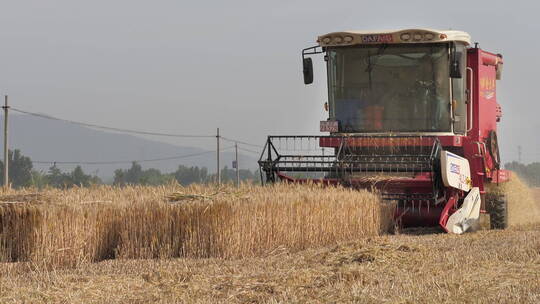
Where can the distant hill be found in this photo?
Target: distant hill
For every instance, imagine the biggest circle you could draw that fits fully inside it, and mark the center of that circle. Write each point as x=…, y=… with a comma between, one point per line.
x=50, y=140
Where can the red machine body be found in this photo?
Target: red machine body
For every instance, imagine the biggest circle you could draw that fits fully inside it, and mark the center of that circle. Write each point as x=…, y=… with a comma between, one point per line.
x=428, y=202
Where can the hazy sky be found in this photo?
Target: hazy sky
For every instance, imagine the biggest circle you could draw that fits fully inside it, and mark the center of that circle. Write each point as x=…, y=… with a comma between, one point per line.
x=191, y=66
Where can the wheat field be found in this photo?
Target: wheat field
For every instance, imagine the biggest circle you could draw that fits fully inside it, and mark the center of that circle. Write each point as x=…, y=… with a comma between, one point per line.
x=278, y=244
x=85, y=225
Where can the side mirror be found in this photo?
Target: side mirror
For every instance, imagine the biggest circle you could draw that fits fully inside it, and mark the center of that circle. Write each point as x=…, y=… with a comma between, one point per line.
x=307, y=70
x=455, y=69
x=498, y=70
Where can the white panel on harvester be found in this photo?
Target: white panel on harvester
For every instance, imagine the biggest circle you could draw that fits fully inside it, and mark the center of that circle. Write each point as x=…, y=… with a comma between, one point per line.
x=456, y=172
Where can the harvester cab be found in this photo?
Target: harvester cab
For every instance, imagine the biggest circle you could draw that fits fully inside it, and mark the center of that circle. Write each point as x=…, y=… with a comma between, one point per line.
x=413, y=115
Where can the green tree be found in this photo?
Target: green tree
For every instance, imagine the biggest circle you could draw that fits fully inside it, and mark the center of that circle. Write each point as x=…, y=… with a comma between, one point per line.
x=137, y=176
x=189, y=175
x=119, y=177
x=58, y=179
x=79, y=178
x=20, y=169
x=153, y=177
x=134, y=174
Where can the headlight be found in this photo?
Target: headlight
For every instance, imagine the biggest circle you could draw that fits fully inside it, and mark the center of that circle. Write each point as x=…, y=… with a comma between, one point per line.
x=348, y=39
x=326, y=40
x=417, y=37
x=338, y=39
x=429, y=36
x=405, y=36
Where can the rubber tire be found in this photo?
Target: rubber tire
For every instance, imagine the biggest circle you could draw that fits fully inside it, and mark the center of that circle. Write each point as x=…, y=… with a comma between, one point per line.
x=498, y=211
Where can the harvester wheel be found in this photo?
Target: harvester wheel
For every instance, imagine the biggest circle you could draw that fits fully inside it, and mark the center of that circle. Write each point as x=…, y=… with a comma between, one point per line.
x=497, y=205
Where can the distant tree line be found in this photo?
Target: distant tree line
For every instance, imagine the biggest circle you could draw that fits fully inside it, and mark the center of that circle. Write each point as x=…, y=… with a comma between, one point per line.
x=530, y=173
x=22, y=174
x=183, y=175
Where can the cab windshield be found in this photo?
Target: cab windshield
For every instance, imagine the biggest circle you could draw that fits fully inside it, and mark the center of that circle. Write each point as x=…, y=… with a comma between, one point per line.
x=390, y=88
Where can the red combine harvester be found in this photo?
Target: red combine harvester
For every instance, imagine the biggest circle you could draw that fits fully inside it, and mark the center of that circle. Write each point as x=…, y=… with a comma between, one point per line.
x=413, y=114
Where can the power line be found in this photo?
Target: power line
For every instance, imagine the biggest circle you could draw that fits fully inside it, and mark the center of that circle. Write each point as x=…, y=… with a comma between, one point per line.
x=122, y=130
x=125, y=161
x=112, y=128
x=251, y=151
x=240, y=142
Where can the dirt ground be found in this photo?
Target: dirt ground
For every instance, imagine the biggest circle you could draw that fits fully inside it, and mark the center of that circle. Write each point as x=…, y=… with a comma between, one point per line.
x=412, y=267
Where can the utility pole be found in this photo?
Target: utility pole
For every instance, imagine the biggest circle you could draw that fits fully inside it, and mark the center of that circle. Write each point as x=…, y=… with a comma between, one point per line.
x=218, y=168
x=519, y=154
x=6, y=160
x=237, y=169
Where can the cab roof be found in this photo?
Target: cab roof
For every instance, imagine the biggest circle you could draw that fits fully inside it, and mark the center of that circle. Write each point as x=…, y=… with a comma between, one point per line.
x=392, y=37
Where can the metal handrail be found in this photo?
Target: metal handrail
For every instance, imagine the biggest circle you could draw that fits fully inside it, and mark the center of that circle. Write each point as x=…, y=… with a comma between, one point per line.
x=471, y=94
